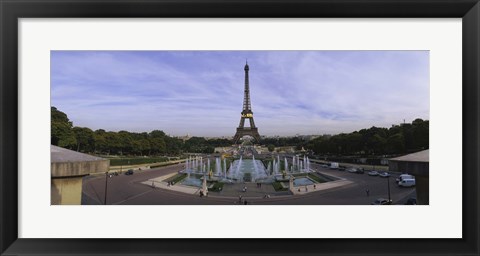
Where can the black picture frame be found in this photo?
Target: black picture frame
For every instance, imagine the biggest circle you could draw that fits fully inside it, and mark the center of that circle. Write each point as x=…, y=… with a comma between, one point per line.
x=11, y=11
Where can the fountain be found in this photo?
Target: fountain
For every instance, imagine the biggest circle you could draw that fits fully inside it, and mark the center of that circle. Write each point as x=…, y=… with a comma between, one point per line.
x=254, y=168
x=218, y=167
x=225, y=168
x=201, y=170
x=204, y=185
x=308, y=161
x=294, y=164
x=208, y=164
x=238, y=165
x=241, y=170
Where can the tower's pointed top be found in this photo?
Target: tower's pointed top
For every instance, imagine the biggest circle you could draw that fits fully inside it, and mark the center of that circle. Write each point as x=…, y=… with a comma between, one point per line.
x=246, y=64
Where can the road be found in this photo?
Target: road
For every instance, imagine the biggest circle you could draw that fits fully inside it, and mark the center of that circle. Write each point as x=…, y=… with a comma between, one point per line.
x=127, y=189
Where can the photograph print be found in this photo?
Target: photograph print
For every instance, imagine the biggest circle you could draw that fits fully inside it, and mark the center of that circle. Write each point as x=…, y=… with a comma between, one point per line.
x=240, y=127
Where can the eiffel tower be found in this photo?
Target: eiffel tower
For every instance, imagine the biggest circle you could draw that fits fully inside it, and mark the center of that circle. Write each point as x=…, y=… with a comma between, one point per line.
x=246, y=113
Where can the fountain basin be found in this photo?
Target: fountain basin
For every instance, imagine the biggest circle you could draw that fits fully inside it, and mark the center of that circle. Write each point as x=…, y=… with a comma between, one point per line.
x=191, y=181
x=304, y=181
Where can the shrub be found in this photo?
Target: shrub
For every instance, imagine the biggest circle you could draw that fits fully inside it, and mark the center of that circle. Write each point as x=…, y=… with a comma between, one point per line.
x=177, y=178
x=278, y=186
x=134, y=161
x=217, y=186
x=316, y=178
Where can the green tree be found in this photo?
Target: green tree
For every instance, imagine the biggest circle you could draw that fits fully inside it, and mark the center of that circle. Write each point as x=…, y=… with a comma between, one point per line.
x=126, y=142
x=61, y=129
x=396, y=140
x=173, y=145
x=157, y=142
x=113, y=142
x=271, y=147
x=100, y=140
x=420, y=134
x=85, y=138
x=395, y=144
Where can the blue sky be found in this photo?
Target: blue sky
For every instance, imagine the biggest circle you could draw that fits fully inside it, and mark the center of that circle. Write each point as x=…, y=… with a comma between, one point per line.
x=201, y=92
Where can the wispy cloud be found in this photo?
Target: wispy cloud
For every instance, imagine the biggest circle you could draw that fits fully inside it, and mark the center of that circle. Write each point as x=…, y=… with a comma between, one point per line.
x=201, y=92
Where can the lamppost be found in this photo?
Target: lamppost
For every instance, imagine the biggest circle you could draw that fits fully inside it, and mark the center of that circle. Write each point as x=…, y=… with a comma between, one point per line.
x=106, y=179
x=388, y=184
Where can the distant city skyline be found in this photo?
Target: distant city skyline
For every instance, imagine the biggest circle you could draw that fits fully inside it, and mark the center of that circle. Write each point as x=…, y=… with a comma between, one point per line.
x=200, y=93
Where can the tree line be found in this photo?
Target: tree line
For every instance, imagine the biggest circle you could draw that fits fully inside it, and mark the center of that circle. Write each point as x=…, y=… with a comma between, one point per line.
x=398, y=139
x=156, y=142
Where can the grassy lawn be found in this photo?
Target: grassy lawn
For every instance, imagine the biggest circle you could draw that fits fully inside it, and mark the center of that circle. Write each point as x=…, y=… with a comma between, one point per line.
x=217, y=187
x=278, y=186
x=177, y=178
x=316, y=178
x=136, y=160
x=161, y=164
x=313, y=176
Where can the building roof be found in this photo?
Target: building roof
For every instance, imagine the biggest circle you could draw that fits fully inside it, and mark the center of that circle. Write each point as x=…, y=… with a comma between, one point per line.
x=63, y=155
x=421, y=156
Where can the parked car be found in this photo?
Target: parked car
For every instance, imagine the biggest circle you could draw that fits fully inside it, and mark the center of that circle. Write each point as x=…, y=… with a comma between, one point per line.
x=129, y=172
x=404, y=176
x=373, y=173
x=360, y=171
x=381, y=201
x=341, y=168
x=334, y=165
x=352, y=170
x=406, y=183
x=384, y=174
x=411, y=201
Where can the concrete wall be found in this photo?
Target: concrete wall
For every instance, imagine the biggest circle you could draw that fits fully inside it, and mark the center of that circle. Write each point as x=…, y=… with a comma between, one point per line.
x=69, y=169
x=415, y=168
x=66, y=191
x=66, y=180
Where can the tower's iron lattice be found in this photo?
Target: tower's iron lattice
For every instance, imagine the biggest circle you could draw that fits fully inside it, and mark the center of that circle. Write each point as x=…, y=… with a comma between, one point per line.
x=246, y=114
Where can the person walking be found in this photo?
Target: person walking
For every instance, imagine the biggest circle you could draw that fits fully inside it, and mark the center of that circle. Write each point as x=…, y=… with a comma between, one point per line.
x=368, y=192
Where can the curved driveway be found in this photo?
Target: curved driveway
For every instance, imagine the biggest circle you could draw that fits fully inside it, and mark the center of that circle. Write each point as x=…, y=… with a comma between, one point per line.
x=128, y=190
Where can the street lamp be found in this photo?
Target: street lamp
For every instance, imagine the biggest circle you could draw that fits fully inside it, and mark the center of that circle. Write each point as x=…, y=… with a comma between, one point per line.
x=106, y=179
x=388, y=184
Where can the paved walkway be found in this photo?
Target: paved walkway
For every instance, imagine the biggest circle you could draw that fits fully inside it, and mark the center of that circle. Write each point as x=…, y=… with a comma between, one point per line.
x=236, y=189
x=159, y=182
x=252, y=189
x=129, y=190
x=300, y=190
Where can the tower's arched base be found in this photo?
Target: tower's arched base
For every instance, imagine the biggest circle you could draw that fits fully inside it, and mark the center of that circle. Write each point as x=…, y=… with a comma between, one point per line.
x=241, y=131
